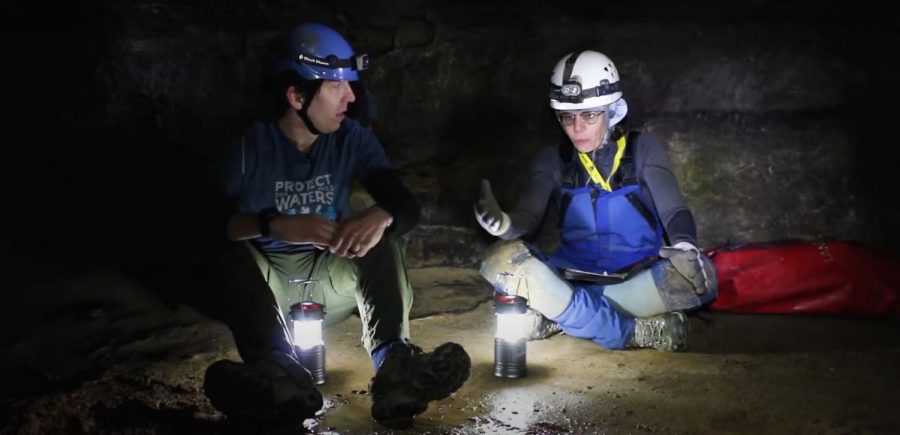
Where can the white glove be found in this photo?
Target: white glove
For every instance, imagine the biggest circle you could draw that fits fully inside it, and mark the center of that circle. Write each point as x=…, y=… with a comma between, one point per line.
x=488, y=212
x=693, y=265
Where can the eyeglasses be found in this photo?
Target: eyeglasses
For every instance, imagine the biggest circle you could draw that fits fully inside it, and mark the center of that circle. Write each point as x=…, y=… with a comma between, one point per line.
x=589, y=117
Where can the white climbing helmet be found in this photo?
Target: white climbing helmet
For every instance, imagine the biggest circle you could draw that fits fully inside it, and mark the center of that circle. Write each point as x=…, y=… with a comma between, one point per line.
x=586, y=80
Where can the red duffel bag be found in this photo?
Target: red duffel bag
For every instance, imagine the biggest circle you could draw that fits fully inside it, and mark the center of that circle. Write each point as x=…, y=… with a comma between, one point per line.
x=831, y=277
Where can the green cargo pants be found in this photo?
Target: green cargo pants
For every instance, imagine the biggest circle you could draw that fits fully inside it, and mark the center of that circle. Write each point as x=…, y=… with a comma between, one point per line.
x=258, y=294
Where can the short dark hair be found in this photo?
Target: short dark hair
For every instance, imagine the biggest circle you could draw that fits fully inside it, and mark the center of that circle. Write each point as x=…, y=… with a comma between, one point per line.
x=275, y=86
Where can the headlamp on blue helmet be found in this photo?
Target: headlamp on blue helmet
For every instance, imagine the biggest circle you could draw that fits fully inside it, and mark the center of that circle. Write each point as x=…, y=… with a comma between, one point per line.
x=318, y=52
x=358, y=62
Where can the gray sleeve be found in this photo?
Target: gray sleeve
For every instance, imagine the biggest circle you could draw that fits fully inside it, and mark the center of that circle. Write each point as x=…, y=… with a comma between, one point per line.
x=660, y=185
x=542, y=179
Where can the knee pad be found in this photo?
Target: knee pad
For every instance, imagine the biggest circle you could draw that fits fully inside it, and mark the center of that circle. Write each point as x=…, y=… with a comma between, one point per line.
x=677, y=293
x=507, y=256
x=545, y=291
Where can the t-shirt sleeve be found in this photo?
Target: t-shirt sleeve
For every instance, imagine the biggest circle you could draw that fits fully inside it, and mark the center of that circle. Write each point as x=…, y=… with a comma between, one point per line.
x=233, y=169
x=373, y=169
x=226, y=182
x=370, y=155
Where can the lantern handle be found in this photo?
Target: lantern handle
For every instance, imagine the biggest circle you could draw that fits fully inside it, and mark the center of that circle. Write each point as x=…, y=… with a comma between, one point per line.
x=503, y=284
x=306, y=292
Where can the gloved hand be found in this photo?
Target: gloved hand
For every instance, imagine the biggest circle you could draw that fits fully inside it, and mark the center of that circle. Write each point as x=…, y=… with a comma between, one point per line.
x=693, y=265
x=488, y=212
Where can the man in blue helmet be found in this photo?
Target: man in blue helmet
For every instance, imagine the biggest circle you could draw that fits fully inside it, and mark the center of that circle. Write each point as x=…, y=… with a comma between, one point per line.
x=289, y=180
x=628, y=266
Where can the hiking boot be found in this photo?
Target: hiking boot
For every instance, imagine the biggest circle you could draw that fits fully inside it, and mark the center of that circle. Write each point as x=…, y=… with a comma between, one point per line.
x=274, y=390
x=410, y=378
x=663, y=332
x=538, y=327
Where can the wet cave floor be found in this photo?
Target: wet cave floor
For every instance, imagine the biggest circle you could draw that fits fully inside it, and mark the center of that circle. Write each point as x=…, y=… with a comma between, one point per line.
x=108, y=363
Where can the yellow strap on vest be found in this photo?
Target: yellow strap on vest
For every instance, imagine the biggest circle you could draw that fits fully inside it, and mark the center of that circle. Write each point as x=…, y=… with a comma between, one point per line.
x=595, y=173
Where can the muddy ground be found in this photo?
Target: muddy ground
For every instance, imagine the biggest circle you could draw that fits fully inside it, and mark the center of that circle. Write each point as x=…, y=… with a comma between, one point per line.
x=99, y=353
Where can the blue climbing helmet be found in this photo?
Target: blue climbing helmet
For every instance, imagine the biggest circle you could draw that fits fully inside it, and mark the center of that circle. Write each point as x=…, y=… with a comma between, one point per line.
x=315, y=52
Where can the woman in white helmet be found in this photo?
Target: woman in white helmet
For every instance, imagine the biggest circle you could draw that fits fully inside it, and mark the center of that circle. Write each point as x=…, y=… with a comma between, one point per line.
x=628, y=265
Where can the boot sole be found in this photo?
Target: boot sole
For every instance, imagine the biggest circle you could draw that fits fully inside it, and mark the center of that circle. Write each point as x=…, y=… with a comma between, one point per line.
x=240, y=393
x=443, y=372
x=685, y=331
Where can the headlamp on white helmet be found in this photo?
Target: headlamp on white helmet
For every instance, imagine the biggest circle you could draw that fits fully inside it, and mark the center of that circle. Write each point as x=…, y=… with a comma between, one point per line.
x=569, y=91
x=584, y=80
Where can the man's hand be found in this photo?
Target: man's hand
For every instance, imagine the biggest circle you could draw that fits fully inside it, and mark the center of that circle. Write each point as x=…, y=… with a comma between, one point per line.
x=693, y=265
x=488, y=212
x=355, y=237
x=302, y=229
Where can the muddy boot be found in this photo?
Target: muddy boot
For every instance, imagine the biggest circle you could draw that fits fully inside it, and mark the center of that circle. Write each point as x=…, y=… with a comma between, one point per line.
x=538, y=327
x=410, y=378
x=663, y=332
x=276, y=390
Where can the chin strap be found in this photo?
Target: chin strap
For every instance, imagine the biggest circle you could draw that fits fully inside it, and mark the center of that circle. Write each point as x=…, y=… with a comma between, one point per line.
x=305, y=117
x=312, y=89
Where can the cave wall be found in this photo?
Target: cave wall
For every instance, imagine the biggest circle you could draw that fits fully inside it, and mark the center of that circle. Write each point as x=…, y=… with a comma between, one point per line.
x=774, y=112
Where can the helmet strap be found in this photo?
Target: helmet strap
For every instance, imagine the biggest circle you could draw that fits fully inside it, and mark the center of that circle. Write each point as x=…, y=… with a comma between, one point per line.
x=305, y=117
x=570, y=64
x=310, y=92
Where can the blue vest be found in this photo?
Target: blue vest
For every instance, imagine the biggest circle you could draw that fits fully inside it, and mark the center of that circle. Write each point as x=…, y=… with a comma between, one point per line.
x=607, y=231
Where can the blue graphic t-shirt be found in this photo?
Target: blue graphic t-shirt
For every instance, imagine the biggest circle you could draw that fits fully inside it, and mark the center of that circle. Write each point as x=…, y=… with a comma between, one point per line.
x=264, y=169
